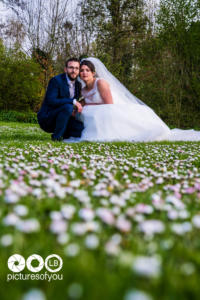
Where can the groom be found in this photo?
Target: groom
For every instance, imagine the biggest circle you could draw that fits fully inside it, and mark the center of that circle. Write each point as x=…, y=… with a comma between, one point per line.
x=56, y=113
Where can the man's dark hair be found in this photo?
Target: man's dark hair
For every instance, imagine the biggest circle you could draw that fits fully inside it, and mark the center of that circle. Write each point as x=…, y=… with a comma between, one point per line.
x=71, y=59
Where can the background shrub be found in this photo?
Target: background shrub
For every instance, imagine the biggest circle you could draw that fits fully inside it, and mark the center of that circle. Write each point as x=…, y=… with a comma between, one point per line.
x=16, y=116
x=20, y=86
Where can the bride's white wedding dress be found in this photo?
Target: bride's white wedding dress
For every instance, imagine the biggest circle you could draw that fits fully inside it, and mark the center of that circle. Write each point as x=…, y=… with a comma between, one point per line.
x=128, y=119
x=120, y=122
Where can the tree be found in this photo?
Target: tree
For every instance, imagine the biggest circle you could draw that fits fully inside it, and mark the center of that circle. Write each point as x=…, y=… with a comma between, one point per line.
x=168, y=64
x=12, y=32
x=20, y=86
x=42, y=21
x=118, y=25
x=14, y=4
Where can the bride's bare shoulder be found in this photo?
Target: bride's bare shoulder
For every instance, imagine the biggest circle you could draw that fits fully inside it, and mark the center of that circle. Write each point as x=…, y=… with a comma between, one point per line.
x=102, y=83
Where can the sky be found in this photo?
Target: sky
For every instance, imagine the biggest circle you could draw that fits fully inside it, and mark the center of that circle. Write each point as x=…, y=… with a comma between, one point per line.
x=4, y=12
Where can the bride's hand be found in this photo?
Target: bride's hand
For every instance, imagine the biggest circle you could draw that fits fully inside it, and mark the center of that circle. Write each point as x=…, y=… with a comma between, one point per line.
x=82, y=102
x=79, y=107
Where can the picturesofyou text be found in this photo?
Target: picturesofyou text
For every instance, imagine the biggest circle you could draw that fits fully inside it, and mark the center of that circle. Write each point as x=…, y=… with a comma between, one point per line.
x=35, y=263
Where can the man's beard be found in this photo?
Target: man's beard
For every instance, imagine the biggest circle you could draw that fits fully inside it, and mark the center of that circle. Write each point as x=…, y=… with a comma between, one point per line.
x=72, y=79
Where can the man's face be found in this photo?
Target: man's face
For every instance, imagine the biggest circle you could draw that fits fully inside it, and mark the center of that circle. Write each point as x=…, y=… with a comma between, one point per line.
x=72, y=70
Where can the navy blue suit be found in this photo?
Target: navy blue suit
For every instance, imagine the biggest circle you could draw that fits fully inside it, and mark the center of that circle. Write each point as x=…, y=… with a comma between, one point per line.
x=55, y=113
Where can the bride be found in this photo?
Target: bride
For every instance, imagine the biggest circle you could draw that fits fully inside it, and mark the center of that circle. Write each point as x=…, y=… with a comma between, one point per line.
x=112, y=113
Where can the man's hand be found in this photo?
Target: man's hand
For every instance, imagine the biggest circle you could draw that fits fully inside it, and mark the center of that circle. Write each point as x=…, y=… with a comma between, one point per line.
x=79, y=107
x=74, y=113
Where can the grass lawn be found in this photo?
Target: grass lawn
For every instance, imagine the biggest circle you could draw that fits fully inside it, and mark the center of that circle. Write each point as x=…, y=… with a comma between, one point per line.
x=124, y=217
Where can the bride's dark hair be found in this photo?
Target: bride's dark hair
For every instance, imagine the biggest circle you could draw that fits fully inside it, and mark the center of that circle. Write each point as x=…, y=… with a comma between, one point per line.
x=89, y=64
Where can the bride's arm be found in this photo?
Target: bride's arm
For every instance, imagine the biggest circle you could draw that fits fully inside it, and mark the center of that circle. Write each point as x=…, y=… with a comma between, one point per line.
x=104, y=90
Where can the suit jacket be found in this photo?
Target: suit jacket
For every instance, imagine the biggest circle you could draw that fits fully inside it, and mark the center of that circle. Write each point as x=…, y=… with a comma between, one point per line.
x=58, y=94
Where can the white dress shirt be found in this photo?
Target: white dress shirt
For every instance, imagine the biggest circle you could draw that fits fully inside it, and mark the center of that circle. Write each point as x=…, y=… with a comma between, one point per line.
x=71, y=87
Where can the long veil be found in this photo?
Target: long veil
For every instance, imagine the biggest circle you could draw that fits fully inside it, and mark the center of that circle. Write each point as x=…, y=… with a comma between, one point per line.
x=120, y=93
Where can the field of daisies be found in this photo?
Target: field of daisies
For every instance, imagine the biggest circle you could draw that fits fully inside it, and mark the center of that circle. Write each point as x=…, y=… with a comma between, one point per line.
x=124, y=217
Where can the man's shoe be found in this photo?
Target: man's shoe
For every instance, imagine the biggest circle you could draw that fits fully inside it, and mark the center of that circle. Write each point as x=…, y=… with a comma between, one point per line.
x=56, y=139
x=66, y=136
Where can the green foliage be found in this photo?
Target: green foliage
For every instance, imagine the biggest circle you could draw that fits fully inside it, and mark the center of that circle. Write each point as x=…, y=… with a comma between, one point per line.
x=20, y=86
x=45, y=62
x=167, y=77
x=16, y=116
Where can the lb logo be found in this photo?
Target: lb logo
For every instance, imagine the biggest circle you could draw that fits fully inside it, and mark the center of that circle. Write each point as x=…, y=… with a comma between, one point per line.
x=35, y=263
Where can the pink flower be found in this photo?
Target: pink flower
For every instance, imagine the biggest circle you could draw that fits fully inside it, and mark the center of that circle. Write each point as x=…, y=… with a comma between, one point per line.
x=58, y=226
x=148, y=266
x=150, y=227
x=123, y=225
x=143, y=208
x=105, y=215
x=190, y=190
x=86, y=214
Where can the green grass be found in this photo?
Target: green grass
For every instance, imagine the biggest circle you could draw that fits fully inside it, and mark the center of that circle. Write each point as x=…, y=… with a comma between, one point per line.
x=107, y=254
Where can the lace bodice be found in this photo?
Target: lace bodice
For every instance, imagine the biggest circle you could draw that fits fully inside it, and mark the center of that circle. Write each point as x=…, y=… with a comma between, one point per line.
x=92, y=96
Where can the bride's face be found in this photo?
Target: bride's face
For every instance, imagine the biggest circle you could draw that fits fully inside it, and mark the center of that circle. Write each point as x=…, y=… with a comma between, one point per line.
x=86, y=74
